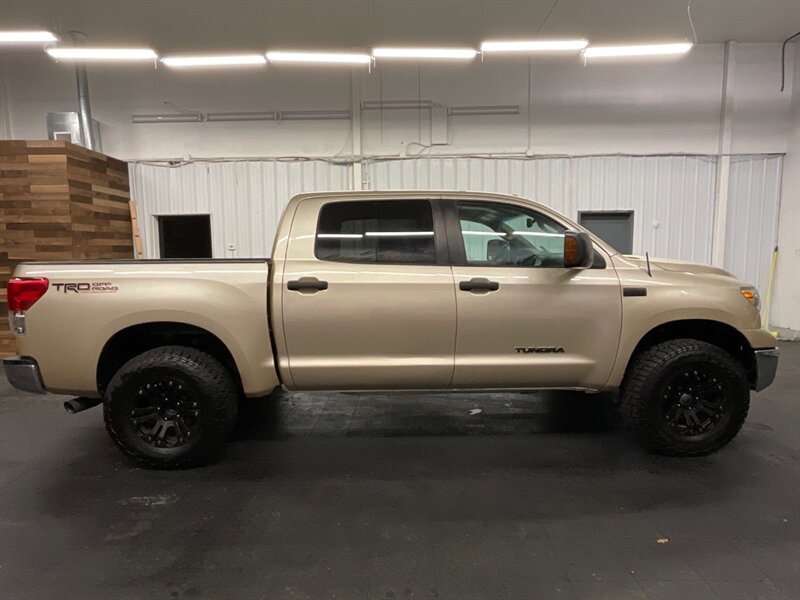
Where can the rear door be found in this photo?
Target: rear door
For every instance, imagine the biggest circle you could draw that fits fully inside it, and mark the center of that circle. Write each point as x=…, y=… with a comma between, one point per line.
x=368, y=296
x=523, y=319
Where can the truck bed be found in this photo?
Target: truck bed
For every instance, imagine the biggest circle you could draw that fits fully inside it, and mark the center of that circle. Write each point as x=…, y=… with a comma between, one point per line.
x=104, y=299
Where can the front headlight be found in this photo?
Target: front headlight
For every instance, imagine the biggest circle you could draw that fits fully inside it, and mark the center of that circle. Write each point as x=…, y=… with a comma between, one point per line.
x=751, y=295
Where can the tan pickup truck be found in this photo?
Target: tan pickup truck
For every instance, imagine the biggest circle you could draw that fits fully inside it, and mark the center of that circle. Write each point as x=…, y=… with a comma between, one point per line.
x=392, y=291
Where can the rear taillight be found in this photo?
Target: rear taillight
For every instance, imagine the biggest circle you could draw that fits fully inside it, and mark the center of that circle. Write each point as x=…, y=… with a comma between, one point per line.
x=23, y=292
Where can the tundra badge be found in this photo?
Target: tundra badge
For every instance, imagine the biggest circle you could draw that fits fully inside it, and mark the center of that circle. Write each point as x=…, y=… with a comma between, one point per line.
x=539, y=349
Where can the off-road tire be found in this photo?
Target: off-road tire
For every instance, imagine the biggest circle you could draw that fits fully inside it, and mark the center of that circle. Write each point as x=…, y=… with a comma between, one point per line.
x=644, y=395
x=205, y=383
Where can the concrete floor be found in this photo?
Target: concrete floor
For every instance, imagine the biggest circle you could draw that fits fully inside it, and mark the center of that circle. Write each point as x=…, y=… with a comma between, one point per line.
x=338, y=496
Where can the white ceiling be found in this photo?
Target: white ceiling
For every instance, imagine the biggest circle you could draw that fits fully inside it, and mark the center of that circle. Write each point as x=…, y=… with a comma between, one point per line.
x=190, y=25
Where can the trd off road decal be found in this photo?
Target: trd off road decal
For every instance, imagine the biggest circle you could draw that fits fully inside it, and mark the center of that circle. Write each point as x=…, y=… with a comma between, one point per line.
x=539, y=349
x=94, y=287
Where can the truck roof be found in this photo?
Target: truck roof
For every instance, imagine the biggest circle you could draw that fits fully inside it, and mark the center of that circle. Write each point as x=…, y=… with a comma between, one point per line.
x=413, y=194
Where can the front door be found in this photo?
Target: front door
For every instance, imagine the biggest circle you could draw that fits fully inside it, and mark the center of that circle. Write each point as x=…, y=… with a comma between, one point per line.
x=368, y=300
x=523, y=319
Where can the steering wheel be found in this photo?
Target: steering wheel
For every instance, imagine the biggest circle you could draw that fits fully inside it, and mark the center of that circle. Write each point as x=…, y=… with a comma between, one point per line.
x=534, y=260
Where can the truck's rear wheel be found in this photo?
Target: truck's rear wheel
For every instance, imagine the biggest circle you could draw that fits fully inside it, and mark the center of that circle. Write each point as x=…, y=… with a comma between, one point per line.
x=171, y=407
x=685, y=397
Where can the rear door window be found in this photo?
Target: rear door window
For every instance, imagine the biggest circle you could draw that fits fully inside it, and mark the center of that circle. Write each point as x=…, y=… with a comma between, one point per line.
x=380, y=231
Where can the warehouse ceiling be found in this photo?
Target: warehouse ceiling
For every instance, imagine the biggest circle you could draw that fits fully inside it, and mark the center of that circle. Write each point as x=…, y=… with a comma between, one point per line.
x=191, y=25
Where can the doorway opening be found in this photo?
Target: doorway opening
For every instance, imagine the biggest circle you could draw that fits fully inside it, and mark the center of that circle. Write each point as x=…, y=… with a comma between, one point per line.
x=184, y=236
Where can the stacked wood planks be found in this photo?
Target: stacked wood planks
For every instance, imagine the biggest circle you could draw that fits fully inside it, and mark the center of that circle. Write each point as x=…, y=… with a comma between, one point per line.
x=59, y=201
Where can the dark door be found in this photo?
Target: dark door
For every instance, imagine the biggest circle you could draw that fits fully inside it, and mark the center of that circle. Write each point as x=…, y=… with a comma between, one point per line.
x=614, y=227
x=184, y=236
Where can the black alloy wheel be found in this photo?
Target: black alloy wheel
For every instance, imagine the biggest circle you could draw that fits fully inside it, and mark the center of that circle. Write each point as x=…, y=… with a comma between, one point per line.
x=164, y=413
x=694, y=402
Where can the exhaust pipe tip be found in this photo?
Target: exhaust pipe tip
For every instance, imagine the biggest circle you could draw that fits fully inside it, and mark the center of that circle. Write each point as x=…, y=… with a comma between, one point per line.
x=76, y=405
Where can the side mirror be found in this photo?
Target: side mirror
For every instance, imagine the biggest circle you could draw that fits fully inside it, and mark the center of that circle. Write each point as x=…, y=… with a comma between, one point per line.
x=496, y=250
x=578, y=250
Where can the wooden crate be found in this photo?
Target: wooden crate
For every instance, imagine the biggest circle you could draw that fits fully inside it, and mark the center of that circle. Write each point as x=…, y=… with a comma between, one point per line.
x=59, y=201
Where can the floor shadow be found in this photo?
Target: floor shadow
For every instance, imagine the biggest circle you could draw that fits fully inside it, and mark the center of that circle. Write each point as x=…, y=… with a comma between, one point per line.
x=285, y=415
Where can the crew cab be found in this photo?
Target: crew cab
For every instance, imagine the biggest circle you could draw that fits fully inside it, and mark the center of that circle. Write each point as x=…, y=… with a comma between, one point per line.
x=392, y=291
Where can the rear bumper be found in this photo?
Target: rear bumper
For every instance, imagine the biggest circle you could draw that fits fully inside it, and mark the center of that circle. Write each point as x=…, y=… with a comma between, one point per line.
x=23, y=374
x=766, y=367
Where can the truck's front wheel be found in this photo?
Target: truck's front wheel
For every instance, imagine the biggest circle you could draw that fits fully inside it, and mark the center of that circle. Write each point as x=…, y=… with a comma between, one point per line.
x=171, y=407
x=685, y=397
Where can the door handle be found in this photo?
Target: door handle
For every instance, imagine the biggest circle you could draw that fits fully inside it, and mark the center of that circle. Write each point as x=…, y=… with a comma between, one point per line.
x=478, y=284
x=307, y=284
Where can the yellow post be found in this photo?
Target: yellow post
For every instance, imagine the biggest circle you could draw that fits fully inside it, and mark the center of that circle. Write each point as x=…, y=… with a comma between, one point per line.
x=768, y=299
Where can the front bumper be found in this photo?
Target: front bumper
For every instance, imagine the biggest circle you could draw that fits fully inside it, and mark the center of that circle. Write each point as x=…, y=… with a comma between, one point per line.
x=23, y=374
x=766, y=366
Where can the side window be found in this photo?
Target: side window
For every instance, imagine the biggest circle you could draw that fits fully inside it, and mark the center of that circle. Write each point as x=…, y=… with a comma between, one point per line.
x=383, y=231
x=497, y=234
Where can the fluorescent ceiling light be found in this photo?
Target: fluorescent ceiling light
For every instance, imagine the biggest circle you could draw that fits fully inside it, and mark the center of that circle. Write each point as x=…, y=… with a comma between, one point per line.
x=456, y=53
x=26, y=37
x=638, y=50
x=534, y=46
x=324, y=115
x=214, y=61
x=319, y=57
x=395, y=104
x=507, y=109
x=171, y=118
x=242, y=116
x=102, y=54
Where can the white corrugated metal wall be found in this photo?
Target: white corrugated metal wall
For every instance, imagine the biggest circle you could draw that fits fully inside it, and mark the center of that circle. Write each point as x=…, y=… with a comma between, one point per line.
x=244, y=198
x=754, y=191
x=673, y=197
